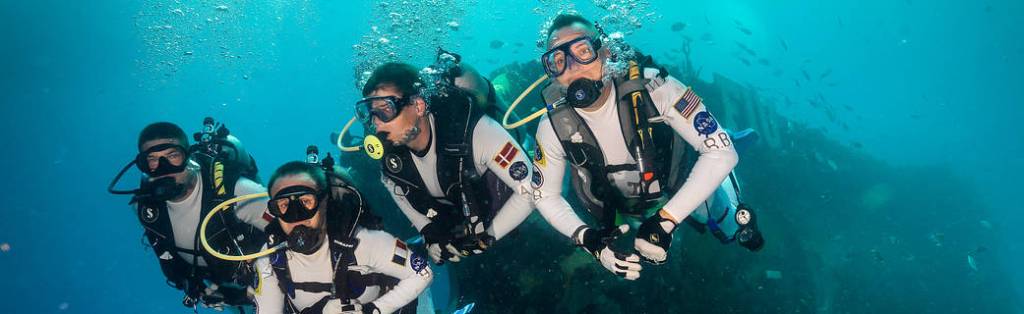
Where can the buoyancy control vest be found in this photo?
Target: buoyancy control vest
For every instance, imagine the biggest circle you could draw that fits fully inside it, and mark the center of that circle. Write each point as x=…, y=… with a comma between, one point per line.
x=467, y=192
x=652, y=145
x=219, y=174
x=345, y=213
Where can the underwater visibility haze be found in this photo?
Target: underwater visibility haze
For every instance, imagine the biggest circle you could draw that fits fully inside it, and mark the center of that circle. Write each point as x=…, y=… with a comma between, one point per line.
x=885, y=174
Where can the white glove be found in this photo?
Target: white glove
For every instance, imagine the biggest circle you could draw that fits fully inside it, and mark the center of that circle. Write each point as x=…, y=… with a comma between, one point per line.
x=653, y=239
x=626, y=266
x=336, y=306
x=596, y=242
x=439, y=255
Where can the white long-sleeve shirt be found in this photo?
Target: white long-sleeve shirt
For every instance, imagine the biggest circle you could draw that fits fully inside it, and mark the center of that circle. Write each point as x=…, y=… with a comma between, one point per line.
x=717, y=156
x=377, y=252
x=494, y=149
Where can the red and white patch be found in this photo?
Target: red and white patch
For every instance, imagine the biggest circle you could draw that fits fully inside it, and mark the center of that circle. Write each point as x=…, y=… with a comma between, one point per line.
x=506, y=155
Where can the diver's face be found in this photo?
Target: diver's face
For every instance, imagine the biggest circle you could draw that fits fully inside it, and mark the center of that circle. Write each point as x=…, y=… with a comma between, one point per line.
x=174, y=155
x=575, y=70
x=408, y=116
x=301, y=179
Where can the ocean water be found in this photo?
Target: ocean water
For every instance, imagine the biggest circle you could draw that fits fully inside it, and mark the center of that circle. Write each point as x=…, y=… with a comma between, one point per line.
x=896, y=163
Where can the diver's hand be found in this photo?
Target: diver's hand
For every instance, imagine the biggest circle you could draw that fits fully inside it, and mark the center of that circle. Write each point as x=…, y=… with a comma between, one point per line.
x=353, y=307
x=213, y=298
x=194, y=290
x=653, y=239
x=337, y=306
x=597, y=243
x=438, y=242
x=474, y=245
x=442, y=252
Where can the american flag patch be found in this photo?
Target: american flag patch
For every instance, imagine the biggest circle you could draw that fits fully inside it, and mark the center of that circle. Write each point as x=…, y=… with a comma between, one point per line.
x=688, y=103
x=506, y=155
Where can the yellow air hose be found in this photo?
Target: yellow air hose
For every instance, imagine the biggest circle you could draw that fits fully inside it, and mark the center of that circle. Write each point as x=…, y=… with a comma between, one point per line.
x=341, y=135
x=222, y=206
x=512, y=107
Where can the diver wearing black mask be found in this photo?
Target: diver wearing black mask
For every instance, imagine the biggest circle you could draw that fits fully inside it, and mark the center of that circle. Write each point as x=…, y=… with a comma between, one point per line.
x=330, y=234
x=179, y=183
x=296, y=207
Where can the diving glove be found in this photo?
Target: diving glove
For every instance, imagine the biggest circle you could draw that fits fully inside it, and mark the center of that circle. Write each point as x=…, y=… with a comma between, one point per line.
x=653, y=239
x=439, y=244
x=335, y=306
x=598, y=243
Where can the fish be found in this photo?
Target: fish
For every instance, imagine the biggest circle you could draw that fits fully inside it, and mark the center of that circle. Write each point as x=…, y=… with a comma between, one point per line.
x=971, y=262
x=857, y=145
x=749, y=51
x=840, y=21
x=848, y=107
x=764, y=62
x=877, y=255
x=986, y=224
x=796, y=82
x=806, y=76
x=825, y=74
x=707, y=20
x=678, y=26
x=782, y=42
x=497, y=44
x=937, y=238
x=745, y=61
x=742, y=28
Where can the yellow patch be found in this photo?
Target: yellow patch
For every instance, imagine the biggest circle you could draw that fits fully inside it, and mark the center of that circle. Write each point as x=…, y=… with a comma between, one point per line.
x=538, y=156
x=218, y=177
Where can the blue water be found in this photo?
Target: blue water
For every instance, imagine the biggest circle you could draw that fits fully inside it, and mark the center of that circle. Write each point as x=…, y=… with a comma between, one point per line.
x=929, y=84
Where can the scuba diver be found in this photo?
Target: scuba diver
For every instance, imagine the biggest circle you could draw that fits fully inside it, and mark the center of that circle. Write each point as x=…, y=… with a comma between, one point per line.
x=337, y=259
x=180, y=184
x=454, y=172
x=620, y=123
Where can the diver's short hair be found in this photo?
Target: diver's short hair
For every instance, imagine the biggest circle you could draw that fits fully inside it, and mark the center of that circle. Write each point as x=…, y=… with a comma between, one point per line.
x=162, y=130
x=405, y=77
x=568, y=19
x=300, y=167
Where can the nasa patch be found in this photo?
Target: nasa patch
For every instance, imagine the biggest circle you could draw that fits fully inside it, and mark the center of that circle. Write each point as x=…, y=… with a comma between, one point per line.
x=705, y=124
x=149, y=215
x=393, y=163
x=419, y=264
x=538, y=179
x=518, y=171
